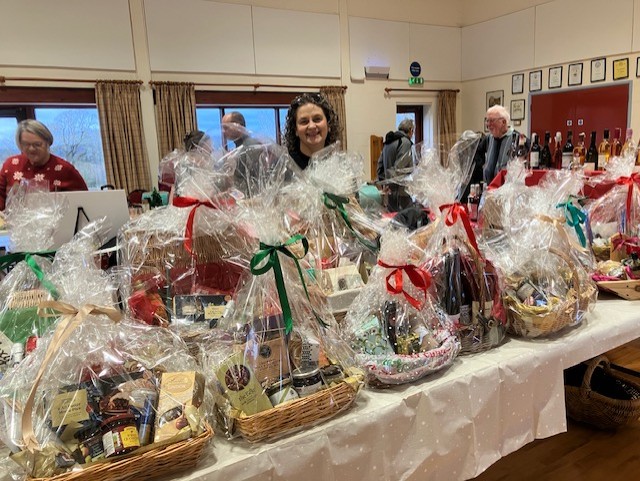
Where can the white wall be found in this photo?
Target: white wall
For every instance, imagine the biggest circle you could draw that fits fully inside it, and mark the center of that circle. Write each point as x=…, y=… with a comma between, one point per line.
x=553, y=42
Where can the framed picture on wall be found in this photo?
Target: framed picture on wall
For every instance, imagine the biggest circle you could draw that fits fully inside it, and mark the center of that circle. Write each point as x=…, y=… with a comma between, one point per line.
x=535, y=80
x=598, y=69
x=637, y=66
x=517, y=109
x=575, y=74
x=620, y=68
x=495, y=97
x=555, y=77
x=517, y=83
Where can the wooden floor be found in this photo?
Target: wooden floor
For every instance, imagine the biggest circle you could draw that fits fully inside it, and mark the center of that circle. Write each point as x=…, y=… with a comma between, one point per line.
x=582, y=453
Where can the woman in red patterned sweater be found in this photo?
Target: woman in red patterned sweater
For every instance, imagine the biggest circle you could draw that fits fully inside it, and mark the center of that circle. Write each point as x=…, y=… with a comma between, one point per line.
x=36, y=162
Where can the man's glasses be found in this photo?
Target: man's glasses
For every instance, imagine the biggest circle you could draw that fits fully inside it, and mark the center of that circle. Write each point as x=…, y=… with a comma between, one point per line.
x=492, y=121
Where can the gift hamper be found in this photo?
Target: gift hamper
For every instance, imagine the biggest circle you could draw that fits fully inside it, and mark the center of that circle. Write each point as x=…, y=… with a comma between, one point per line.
x=277, y=359
x=175, y=258
x=343, y=239
x=466, y=284
x=398, y=333
x=102, y=397
x=547, y=266
x=602, y=394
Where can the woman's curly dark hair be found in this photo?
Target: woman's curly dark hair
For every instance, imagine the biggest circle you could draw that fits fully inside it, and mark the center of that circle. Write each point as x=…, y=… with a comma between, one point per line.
x=291, y=142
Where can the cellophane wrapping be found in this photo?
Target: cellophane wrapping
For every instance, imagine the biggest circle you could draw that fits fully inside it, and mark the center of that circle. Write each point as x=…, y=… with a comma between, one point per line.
x=20, y=293
x=497, y=205
x=614, y=218
x=547, y=270
x=466, y=284
x=276, y=357
x=99, y=388
x=398, y=332
x=32, y=215
x=177, y=260
x=343, y=237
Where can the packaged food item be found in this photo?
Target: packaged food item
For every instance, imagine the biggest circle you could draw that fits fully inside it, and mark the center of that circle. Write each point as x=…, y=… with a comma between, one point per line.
x=181, y=396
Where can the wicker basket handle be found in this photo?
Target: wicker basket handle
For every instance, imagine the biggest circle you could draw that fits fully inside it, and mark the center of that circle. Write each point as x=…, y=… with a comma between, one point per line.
x=593, y=364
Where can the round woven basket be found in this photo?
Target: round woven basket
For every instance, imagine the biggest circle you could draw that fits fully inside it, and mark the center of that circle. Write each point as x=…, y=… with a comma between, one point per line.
x=297, y=413
x=598, y=395
x=534, y=321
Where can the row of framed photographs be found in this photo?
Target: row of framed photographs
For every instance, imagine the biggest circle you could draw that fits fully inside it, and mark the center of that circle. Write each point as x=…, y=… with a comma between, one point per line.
x=598, y=74
x=496, y=97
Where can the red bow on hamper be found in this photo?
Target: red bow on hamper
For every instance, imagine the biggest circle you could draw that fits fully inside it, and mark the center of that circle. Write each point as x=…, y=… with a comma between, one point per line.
x=629, y=182
x=632, y=244
x=458, y=211
x=419, y=278
x=195, y=203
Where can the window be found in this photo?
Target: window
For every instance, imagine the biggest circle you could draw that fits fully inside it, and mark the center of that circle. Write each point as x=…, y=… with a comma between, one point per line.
x=415, y=113
x=72, y=117
x=265, y=113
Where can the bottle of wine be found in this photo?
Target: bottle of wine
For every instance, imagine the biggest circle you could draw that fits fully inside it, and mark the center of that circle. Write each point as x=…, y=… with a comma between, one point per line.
x=616, y=145
x=604, y=150
x=521, y=151
x=452, y=301
x=591, y=159
x=557, y=152
x=545, y=153
x=630, y=149
x=473, y=201
x=534, y=155
x=580, y=151
x=567, y=151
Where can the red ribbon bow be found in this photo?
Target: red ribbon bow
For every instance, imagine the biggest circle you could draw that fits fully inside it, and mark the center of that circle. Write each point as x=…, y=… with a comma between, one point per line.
x=195, y=203
x=628, y=181
x=632, y=244
x=458, y=211
x=419, y=278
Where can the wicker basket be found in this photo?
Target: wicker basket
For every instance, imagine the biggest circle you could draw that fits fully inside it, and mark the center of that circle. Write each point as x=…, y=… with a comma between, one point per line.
x=299, y=412
x=534, y=321
x=600, y=396
x=160, y=461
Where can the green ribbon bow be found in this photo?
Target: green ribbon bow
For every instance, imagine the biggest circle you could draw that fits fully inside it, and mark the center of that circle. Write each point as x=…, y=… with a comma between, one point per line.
x=271, y=253
x=337, y=202
x=574, y=216
x=15, y=257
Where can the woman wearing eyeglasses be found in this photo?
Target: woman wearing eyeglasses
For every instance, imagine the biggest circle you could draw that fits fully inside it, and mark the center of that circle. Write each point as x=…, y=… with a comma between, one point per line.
x=36, y=162
x=311, y=125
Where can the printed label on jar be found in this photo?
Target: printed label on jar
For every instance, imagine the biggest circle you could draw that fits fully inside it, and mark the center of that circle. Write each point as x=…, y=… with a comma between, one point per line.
x=129, y=437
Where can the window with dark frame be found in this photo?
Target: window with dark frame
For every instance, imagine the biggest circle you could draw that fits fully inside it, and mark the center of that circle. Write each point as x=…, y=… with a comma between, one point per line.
x=71, y=115
x=416, y=113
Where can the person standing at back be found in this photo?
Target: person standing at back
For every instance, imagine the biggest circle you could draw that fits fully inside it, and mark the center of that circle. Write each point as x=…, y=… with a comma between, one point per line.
x=396, y=160
x=495, y=149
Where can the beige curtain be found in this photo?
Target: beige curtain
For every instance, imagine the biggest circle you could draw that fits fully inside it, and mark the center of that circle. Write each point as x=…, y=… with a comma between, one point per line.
x=175, y=113
x=335, y=96
x=446, y=121
x=125, y=154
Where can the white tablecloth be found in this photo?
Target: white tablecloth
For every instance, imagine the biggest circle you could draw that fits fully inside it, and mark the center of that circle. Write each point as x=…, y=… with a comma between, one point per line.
x=451, y=426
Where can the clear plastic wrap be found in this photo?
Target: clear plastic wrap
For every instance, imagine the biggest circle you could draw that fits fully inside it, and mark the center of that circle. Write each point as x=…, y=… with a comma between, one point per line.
x=176, y=259
x=343, y=238
x=98, y=386
x=614, y=218
x=32, y=215
x=547, y=270
x=276, y=358
x=398, y=332
x=466, y=284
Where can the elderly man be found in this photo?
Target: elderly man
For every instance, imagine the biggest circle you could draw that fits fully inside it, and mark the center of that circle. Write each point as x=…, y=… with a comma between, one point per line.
x=496, y=148
x=396, y=160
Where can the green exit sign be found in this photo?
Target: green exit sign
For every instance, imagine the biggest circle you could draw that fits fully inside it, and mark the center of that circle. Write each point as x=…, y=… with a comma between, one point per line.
x=416, y=80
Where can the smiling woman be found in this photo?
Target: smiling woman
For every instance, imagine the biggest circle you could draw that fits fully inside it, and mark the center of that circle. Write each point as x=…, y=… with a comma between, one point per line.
x=311, y=125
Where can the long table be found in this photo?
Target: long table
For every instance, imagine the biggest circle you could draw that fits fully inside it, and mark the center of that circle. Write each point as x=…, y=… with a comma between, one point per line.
x=450, y=426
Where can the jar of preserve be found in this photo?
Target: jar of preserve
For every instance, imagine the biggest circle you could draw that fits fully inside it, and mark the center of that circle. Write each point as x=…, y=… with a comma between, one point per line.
x=306, y=381
x=281, y=392
x=90, y=443
x=119, y=435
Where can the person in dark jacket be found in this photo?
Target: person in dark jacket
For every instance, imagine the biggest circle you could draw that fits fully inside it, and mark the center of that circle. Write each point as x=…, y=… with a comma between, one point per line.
x=396, y=160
